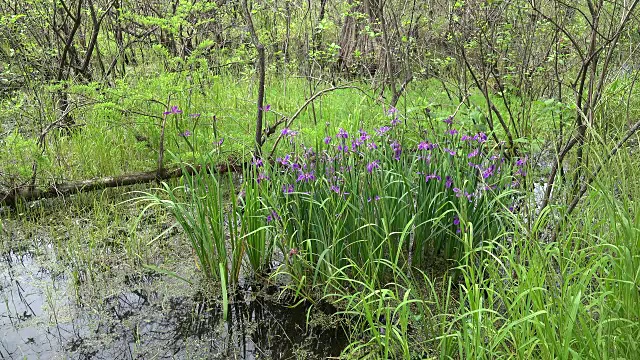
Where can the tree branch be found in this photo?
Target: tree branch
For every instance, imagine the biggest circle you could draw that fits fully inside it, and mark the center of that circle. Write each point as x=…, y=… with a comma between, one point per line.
x=612, y=153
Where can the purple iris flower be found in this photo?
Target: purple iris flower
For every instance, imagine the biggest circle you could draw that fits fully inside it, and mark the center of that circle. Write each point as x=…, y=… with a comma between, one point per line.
x=397, y=150
x=382, y=130
x=272, y=216
x=450, y=151
x=335, y=189
x=196, y=115
x=219, y=142
x=465, y=138
x=372, y=145
x=474, y=153
x=262, y=177
x=308, y=152
x=425, y=145
x=342, y=133
x=375, y=198
x=174, y=110
x=288, y=132
x=488, y=171
x=395, y=122
x=448, y=182
x=452, y=132
x=284, y=161
x=355, y=144
x=432, y=177
x=480, y=137
x=327, y=140
x=343, y=148
x=448, y=120
x=364, y=136
x=469, y=196
x=521, y=161
x=373, y=165
x=257, y=162
x=392, y=110
x=287, y=188
x=265, y=108
x=306, y=177
x=186, y=133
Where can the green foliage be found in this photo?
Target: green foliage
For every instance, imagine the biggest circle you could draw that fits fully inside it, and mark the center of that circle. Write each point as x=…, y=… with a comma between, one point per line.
x=19, y=157
x=518, y=296
x=417, y=269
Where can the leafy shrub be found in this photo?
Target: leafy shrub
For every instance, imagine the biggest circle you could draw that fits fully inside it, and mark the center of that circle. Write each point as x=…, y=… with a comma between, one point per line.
x=18, y=157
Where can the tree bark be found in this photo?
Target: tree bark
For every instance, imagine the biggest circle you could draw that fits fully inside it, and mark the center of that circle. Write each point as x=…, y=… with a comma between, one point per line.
x=260, y=69
x=26, y=194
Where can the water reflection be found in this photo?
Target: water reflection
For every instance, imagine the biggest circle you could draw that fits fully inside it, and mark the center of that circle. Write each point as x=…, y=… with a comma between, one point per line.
x=42, y=317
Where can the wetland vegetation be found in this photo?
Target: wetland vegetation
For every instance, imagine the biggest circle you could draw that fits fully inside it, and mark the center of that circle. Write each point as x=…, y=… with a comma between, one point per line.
x=277, y=179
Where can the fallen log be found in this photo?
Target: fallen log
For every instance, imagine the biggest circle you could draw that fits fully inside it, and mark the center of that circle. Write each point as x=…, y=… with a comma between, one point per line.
x=26, y=194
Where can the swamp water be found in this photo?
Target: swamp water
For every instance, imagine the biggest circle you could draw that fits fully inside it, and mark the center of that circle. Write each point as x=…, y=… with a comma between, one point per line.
x=49, y=311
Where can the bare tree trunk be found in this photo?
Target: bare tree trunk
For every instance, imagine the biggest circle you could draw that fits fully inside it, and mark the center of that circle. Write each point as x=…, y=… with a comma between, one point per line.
x=260, y=69
x=351, y=39
x=64, y=66
x=96, y=23
x=587, y=94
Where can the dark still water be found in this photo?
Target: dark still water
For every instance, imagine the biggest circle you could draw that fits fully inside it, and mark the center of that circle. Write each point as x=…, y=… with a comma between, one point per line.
x=49, y=312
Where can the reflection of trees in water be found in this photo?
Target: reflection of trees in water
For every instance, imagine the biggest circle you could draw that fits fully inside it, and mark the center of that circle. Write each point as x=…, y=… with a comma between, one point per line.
x=21, y=304
x=142, y=323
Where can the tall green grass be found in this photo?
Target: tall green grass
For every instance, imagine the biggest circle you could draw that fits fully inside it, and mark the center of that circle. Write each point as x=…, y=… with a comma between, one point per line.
x=355, y=216
x=518, y=296
x=425, y=252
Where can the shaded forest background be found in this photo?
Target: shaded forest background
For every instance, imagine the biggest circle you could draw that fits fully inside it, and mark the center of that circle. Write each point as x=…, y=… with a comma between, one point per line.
x=554, y=75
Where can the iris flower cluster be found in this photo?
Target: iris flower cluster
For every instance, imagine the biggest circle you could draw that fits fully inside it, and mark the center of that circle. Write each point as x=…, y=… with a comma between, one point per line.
x=457, y=164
